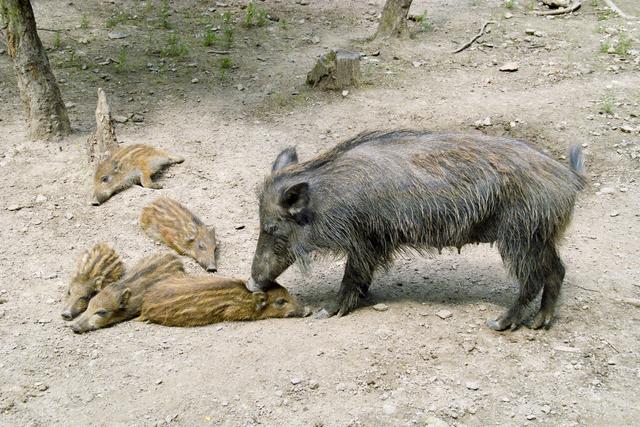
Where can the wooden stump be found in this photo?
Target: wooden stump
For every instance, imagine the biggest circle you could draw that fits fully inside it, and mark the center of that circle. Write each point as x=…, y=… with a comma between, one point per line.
x=103, y=142
x=335, y=70
x=393, y=21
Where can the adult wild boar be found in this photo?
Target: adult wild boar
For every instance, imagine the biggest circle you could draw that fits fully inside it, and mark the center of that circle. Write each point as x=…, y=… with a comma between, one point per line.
x=382, y=192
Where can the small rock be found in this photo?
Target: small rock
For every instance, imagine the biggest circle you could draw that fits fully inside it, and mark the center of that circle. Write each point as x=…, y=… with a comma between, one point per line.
x=444, y=314
x=3, y=300
x=303, y=2
x=41, y=386
x=120, y=119
x=194, y=80
x=508, y=15
x=381, y=307
x=611, y=362
x=345, y=93
x=529, y=31
x=41, y=198
x=238, y=226
x=389, y=408
x=137, y=118
x=240, y=87
x=315, y=39
x=70, y=104
x=531, y=417
x=158, y=382
x=614, y=214
x=509, y=66
x=546, y=409
x=417, y=64
x=482, y=122
x=626, y=128
x=313, y=385
x=68, y=216
x=14, y=208
x=295, y=381
x=472, y=385
x=566, y=349
x=114, y=35
x=2, y=51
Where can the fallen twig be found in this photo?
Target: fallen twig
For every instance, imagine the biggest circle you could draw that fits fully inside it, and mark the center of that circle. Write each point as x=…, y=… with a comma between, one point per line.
x=470, y=42
x=633, y=301
x=586, y=289
x=560, y=11
x=65, y=31
x=220, y=52
x=617, y=10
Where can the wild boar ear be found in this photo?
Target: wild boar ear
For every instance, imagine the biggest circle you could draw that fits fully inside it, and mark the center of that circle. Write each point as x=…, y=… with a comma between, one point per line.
x=295, y=198
x=124, y=298
x=260, y=300
x=287, y=157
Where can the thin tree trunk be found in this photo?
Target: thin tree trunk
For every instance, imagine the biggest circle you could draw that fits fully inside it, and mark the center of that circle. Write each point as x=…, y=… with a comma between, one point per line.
x=46, y=114
x=394, y=18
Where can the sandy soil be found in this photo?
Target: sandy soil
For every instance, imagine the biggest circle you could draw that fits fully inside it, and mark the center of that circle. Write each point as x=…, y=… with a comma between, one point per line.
x=402, y=366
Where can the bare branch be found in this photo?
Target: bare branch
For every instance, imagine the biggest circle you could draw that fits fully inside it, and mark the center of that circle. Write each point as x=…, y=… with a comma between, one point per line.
x=470, y=42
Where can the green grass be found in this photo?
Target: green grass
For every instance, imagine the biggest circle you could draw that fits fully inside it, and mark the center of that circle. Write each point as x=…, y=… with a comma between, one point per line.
x=254, y=17
x=509, y=4
x=209, y=38
x=119, y=17
x=607, y=104
x=605, y=46
x=424, y=22
x=163, y=18
x=122, y=65
x=624, y=43
x=84, y=22
x=284, y=25
x=174, y=47
x=225, y=65
x=57, y=41
x=227, y=37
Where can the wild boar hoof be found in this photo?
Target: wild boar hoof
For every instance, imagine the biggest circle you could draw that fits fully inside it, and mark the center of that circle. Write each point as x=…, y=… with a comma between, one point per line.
x=324, y=314
x=541, y=319
x=502, y=324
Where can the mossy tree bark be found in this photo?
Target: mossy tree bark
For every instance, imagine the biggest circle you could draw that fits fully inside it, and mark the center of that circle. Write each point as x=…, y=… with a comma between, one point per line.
x=46, y=114
x=394, y=18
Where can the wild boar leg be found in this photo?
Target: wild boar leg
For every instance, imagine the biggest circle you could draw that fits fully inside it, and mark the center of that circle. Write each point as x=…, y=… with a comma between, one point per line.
x=552, y=285
x=145, y=179
x=533, y=268
x=355, y=284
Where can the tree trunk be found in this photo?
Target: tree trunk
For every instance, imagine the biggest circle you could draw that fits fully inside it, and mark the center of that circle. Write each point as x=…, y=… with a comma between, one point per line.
x=46, y=113
x=394, y=18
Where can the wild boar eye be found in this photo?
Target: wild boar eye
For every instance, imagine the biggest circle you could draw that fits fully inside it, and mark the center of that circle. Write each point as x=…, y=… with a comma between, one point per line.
x=101, y=313
x=280, y=302
x=104, y=178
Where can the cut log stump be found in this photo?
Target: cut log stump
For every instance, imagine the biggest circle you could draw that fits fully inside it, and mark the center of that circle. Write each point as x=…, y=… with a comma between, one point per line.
x=335, y=70
x=103, y=142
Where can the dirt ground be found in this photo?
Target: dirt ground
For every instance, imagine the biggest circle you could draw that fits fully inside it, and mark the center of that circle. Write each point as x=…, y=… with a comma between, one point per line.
x=577, y=81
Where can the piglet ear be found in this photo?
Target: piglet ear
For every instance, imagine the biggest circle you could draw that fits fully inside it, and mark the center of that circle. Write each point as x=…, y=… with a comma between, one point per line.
x=260, y=300
x=124, y=298
x=287, y=157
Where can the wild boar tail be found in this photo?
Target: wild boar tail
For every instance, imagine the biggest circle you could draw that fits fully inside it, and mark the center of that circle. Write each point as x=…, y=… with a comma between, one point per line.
x=576, y=163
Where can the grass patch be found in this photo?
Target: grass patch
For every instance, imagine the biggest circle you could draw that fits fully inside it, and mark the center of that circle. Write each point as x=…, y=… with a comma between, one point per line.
x=84, y=22
x=57, y=41
x=225, y=65
x=227, y=37
x=624, y=43
x=209, y=37
x=122, y=65
x=605, y=46
x=254, y=17
x=424, y=22
x=174, y=47
x=509, y=4
x=164, y=14
x=607, y=106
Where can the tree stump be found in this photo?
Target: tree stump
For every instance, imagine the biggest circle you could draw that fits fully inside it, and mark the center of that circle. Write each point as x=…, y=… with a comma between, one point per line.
x=335, y=70
x=394, y=18
x=46, y=112
x=103, y=142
